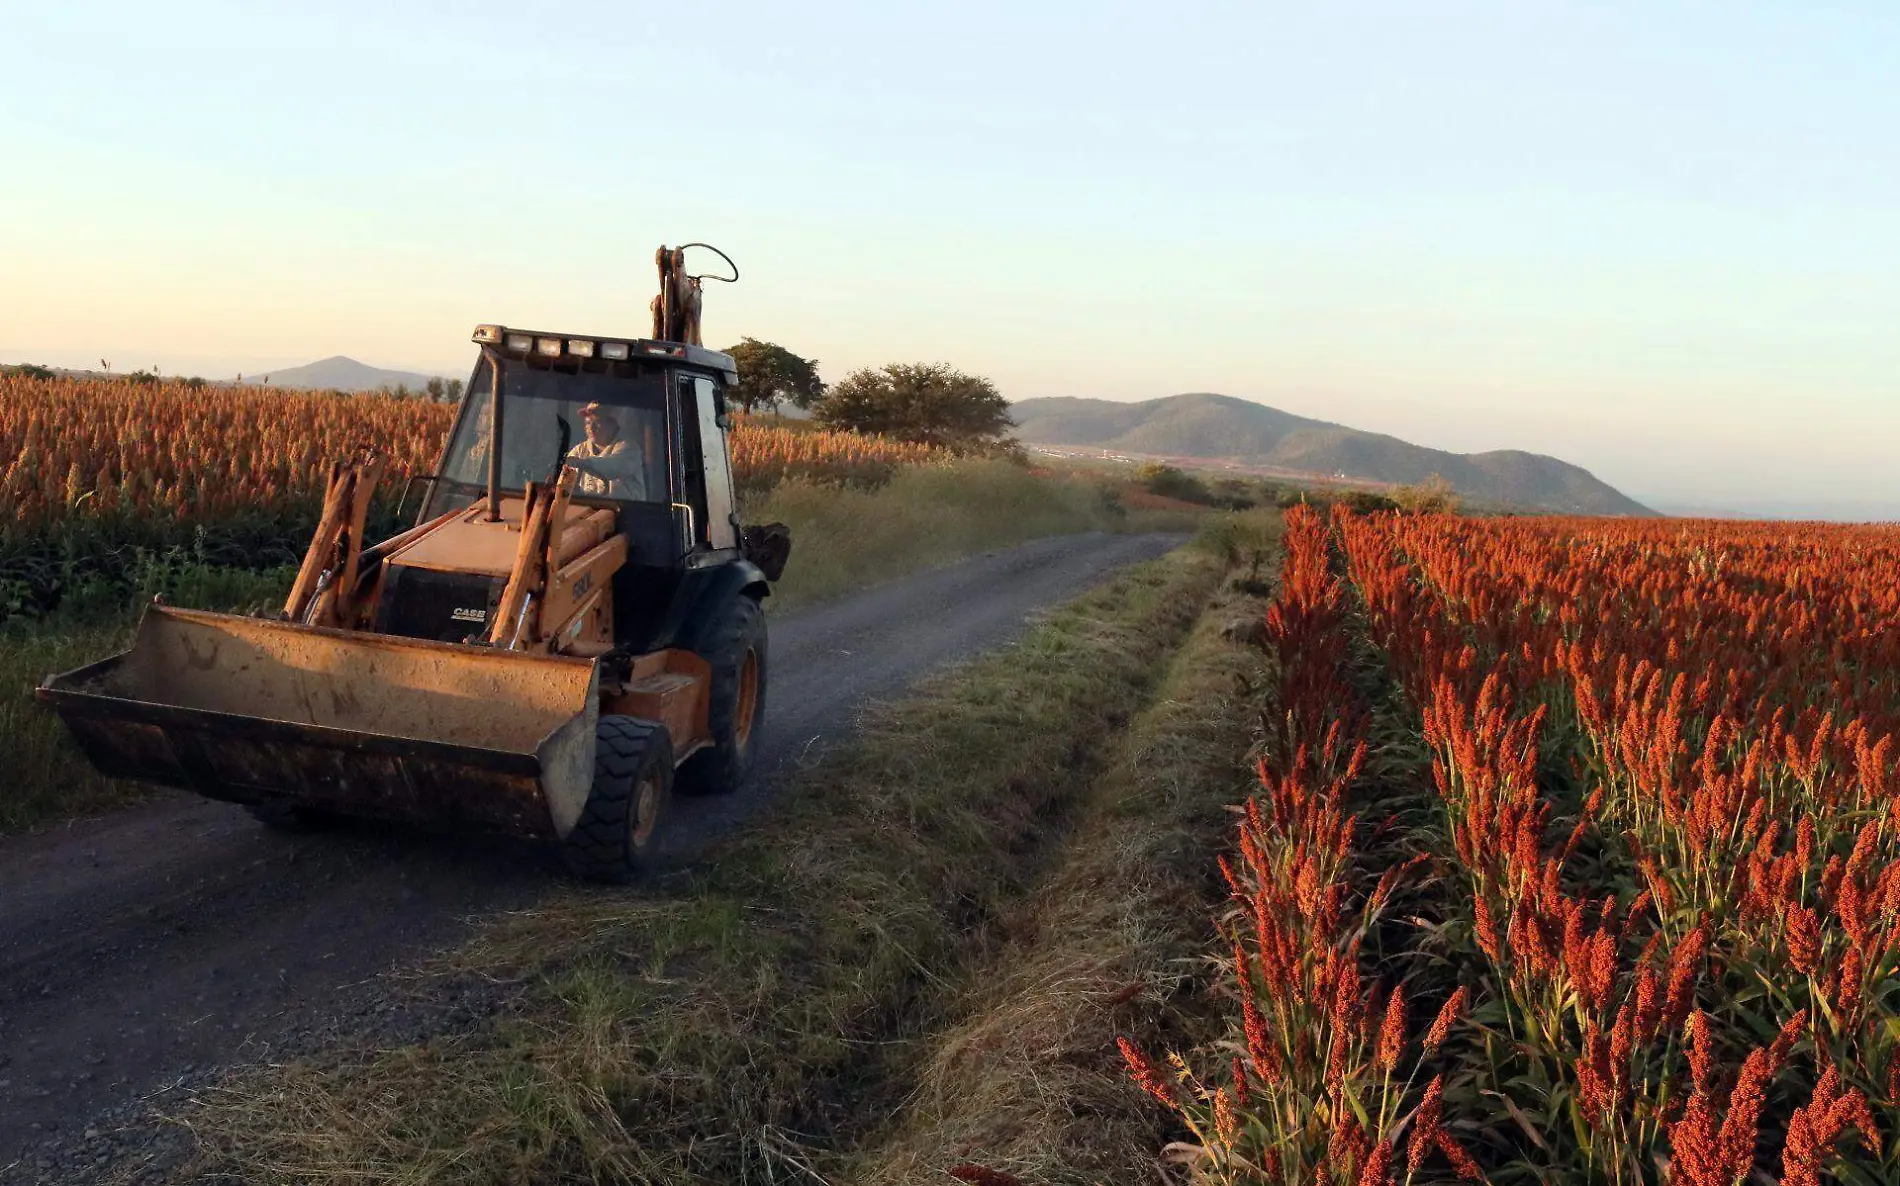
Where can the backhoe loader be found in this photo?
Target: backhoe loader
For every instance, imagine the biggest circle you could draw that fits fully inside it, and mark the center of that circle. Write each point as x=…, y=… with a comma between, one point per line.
x=574, y=617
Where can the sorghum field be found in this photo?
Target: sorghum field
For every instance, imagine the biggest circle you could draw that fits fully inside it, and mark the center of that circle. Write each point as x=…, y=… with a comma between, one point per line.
x=1575, y=858
x=115, y=492
x=95, y=474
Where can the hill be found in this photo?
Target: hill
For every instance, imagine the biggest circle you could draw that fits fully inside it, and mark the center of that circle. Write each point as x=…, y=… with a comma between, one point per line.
x=1220, y=428
x=341, y=374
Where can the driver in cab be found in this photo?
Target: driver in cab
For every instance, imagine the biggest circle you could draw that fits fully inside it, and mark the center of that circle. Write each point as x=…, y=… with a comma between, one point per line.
x=609, y=464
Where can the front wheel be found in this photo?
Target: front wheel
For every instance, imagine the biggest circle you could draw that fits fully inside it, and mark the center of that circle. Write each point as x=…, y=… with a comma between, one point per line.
x=736, y=653
x=633, y=783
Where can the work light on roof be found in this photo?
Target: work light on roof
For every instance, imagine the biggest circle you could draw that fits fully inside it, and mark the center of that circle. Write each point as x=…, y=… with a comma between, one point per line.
x=520, y=343
x=617, y=351
x=548, y=347
x=580, y=347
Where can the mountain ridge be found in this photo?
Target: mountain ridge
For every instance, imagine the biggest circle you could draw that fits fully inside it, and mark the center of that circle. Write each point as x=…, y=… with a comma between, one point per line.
x=341, y=373
x=1222, y=428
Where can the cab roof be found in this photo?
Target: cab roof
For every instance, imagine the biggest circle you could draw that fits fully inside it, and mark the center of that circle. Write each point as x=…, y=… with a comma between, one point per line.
x=513, y=342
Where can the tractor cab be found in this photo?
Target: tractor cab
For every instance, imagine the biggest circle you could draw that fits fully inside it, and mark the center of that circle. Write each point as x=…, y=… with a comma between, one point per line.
x=642, y=424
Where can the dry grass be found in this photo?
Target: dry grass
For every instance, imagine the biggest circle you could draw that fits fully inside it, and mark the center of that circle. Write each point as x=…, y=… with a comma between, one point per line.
x=844, y=539
x=1029, y=1080
x=743, y=1024
x=46, y=777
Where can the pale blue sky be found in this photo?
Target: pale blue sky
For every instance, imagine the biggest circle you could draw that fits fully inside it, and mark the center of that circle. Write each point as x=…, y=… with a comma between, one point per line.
x=1661, y=240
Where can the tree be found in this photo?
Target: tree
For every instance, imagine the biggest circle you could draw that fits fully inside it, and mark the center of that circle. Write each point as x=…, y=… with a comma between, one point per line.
x=769, y=375
x=1433, y=496
x=1366, y=502
x=929, y=403
x=443, y=391
x=1170, y=482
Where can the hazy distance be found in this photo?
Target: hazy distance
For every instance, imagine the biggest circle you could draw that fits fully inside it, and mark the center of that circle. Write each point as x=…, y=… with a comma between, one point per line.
x=1654, y=240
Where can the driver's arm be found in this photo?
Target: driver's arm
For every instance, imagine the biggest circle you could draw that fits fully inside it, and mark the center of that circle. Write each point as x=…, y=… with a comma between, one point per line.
x=621, y=467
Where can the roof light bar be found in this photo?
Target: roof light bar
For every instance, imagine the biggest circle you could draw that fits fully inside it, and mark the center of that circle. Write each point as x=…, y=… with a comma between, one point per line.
x=521, y=344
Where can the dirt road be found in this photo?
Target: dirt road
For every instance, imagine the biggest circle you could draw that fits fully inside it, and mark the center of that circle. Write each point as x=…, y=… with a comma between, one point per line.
x=153, y=944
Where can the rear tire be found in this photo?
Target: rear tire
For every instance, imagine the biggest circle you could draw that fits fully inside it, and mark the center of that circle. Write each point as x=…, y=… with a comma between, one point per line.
x=633, y=783
x=737, y=653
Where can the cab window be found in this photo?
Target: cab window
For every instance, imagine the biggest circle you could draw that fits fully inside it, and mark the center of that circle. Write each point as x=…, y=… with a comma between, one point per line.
x=611, y=428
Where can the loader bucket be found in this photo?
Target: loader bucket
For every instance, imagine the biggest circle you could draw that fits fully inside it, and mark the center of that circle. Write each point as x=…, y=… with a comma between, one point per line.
x=252, y=710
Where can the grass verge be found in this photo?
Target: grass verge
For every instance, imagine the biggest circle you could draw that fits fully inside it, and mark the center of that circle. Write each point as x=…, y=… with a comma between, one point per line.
x=1028, y=1080
x=845, y=539
x=741, y=1025
x=48, y=779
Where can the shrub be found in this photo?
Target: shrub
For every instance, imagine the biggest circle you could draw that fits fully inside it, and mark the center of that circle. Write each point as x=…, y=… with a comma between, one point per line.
x=1433, y=496
x=1365, y=502
x=1170, y=482
x=928, y=404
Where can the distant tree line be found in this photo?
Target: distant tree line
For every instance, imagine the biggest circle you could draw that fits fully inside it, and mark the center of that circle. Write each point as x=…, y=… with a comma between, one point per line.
x=925, y=403
x=1434, y=495
x=436, y=390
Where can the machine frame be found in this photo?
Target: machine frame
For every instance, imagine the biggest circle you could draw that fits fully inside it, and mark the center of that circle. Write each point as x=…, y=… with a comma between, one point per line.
x=525, y=658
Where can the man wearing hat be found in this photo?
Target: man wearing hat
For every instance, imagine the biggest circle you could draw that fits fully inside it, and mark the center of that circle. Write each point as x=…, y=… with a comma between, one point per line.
x=609, y=465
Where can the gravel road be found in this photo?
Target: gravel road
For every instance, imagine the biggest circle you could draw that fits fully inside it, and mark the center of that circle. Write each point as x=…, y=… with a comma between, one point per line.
x=155, y=944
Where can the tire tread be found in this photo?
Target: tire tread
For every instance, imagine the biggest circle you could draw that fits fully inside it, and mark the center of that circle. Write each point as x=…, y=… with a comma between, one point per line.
x=600, y=846
x=721, y=768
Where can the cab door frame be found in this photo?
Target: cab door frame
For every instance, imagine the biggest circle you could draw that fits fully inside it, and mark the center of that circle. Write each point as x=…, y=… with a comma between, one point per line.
x=702, y=470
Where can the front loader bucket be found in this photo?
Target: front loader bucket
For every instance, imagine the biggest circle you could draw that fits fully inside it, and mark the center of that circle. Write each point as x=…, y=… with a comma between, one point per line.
x=252, y=710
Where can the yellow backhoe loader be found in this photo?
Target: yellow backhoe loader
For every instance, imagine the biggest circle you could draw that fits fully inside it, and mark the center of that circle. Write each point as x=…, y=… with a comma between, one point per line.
x=574, y=616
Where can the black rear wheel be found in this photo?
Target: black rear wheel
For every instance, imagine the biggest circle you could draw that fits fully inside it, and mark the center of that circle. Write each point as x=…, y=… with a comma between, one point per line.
x=633, y=783
x=737, y=654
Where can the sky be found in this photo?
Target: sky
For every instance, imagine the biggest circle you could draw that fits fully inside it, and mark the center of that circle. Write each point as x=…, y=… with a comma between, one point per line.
x=1660, y=240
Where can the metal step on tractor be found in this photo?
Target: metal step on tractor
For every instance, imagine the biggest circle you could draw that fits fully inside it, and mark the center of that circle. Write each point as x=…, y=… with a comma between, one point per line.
x=573, y=623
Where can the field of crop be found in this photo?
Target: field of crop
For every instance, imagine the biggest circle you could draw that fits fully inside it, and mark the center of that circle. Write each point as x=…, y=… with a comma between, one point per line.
x=1575, y=859
x=764, y=455
x=95, y=475
x=112, y=493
